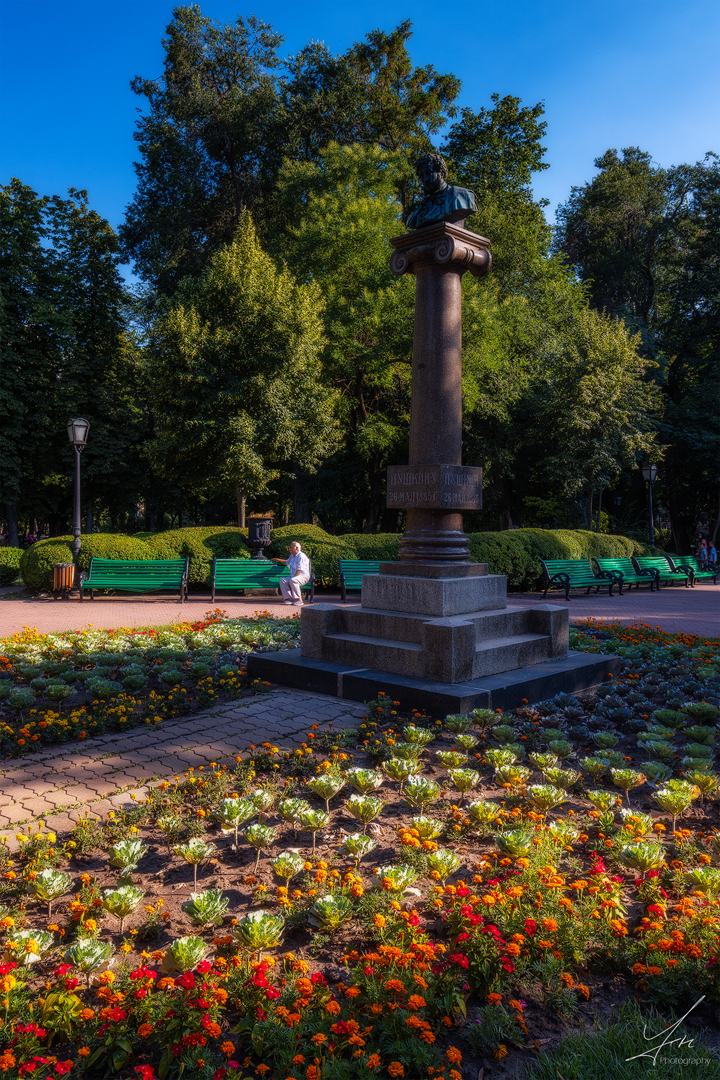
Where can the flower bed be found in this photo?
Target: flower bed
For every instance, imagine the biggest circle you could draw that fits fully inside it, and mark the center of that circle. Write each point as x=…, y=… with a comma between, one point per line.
x=410, y=899
x=56, y=687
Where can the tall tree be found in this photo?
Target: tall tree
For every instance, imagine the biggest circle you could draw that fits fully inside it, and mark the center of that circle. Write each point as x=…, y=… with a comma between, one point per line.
x=349, y=211
x=207, y=143
x=645, y=239
x=235, y=374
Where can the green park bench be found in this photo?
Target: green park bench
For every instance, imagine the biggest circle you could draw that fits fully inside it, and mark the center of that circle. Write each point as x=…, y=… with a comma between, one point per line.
x=352, y=570
x=570, y=574
x=664, y=573
x=232, y=575
x=697, y=573
x=625, y=573
x=136, y=575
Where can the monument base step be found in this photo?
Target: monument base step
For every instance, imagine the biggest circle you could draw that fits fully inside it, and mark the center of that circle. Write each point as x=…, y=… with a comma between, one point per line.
x=570, y=674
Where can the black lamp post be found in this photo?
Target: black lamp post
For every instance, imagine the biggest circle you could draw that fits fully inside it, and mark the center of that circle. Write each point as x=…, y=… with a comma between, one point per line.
x=649, y=473
x=77, y=433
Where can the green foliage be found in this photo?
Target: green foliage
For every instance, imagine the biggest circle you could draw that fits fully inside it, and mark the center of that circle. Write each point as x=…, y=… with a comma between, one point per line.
x=9, y=565
x=201, y=545
x=36, y=564
x=236, y=375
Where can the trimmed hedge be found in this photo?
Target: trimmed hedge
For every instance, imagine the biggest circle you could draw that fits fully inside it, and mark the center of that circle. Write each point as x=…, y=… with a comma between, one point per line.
x=322, y=549
x=515, y=553
x=36, y=564
x=200, y=545
x=9, y=565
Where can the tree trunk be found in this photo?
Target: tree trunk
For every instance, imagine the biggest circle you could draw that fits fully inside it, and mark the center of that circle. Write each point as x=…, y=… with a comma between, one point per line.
x=240, y=497
x=301, y=516
x=591, y=496
x=12, y=521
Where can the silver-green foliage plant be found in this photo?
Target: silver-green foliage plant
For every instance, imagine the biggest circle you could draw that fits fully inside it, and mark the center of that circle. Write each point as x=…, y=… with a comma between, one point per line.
x=596, y=767
x=87, y=955
x=467, y=741
x=260, y=930
x=545, y=796
x=184, y=953
x=562, y=778
x=364, y=780
x=503, y=733
x=314, y=821
x=329, y=912
x=427, y=828
x=414, y=734
x=514, y=776
x=444, y=863
x=500, y=757
x=627, y=779
x=326, y=786
x=603, y=800
x=408, y=751
x=457, y=722
x=26, y=947
x=400, y=770
x=291, y=810
x=483, y=812
x=121, y=902
x=195, y=851
x=206, y=908
x=451, y=759
x=259, y=837
x=517, y=843
x=288, y=865
x=544, y=761
x=263, y=800
x=642, y=856
x=364, y=808
x=126, y=855
x=421, y=791
x=232, y=813
x=464, y=780
x=49, y=885
x=358, y=845
x=706, y=879
x=398, y=877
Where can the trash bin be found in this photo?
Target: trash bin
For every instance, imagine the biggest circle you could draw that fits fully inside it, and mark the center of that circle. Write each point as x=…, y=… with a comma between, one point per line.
x=63, y=577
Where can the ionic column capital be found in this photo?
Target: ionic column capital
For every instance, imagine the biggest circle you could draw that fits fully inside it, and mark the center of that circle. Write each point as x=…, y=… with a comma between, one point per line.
x=445, y=244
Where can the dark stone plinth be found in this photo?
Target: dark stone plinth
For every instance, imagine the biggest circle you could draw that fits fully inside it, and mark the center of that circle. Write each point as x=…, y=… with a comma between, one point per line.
x=569, y=675
x=433, y=570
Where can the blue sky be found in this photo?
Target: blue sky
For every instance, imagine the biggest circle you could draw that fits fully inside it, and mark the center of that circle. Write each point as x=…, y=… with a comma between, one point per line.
x=612, y=73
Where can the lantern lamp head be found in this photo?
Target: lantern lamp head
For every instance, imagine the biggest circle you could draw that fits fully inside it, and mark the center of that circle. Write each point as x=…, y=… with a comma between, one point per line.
x=78, y=432
x=649, y=473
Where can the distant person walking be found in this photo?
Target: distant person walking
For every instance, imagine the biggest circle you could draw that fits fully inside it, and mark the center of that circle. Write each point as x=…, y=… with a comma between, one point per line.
x=299, y=566
x=702, y=552
x=712, y=554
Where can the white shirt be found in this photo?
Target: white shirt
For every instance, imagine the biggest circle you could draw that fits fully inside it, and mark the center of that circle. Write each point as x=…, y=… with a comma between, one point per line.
x=299, y=563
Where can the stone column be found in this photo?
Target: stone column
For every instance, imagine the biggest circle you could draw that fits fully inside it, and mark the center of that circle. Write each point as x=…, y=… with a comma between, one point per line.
x=435, y=488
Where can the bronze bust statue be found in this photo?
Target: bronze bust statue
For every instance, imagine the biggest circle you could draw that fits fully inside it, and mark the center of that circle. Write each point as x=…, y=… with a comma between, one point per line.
x=442, y=202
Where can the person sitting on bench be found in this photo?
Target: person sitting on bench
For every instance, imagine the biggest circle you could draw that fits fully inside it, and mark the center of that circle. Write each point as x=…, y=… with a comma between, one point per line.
x=299, y=566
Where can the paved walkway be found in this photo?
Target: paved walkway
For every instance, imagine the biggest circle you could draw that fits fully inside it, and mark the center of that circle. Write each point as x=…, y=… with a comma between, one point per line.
x=674, y=609
x=64, y=783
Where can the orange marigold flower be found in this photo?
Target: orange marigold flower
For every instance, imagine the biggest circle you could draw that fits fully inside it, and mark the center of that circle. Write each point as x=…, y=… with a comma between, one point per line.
x=550, y=925
x=319, y=1038
x=352, y=992
x=584, y=990
x=332, y=1007
x=84, y=1051
x=500, y=1051
x=396, y=1069
x=415, y=1002
x=144, y=1030
x=373, y=1062
x=228, y=1048
x=453, y=1055
x=494, y=999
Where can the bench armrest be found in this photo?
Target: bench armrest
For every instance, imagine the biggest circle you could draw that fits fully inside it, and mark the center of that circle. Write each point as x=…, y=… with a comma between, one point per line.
x=561, y=577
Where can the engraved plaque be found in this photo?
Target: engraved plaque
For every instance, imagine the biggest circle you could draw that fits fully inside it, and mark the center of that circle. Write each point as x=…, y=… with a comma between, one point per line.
x=434, y=487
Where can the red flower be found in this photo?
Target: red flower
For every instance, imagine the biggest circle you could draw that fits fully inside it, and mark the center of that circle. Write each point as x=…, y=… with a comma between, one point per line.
x=63, y=1067
x=317, y=979
x=146, y=1072
x=530, y=926
x=204, y=967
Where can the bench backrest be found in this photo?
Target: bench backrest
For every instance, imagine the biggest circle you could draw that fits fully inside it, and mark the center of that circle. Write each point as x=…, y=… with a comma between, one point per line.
x=149, y=570
x=572, y=567
x=623, y=566
x=687, y=560
x=652, y=562
x=237, y=571
x=353, y=569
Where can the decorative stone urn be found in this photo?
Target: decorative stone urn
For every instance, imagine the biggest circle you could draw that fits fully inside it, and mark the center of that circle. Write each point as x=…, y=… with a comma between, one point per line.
x=259, y=529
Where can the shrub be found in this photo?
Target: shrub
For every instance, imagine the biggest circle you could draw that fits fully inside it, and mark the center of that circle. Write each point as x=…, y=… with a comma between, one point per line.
x=9, y=565
x=36, y=564
x=200, y=545
x=322, y=549
x=382, y=546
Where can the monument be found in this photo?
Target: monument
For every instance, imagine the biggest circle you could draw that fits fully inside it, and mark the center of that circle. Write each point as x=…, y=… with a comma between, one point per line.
x=433, y=629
